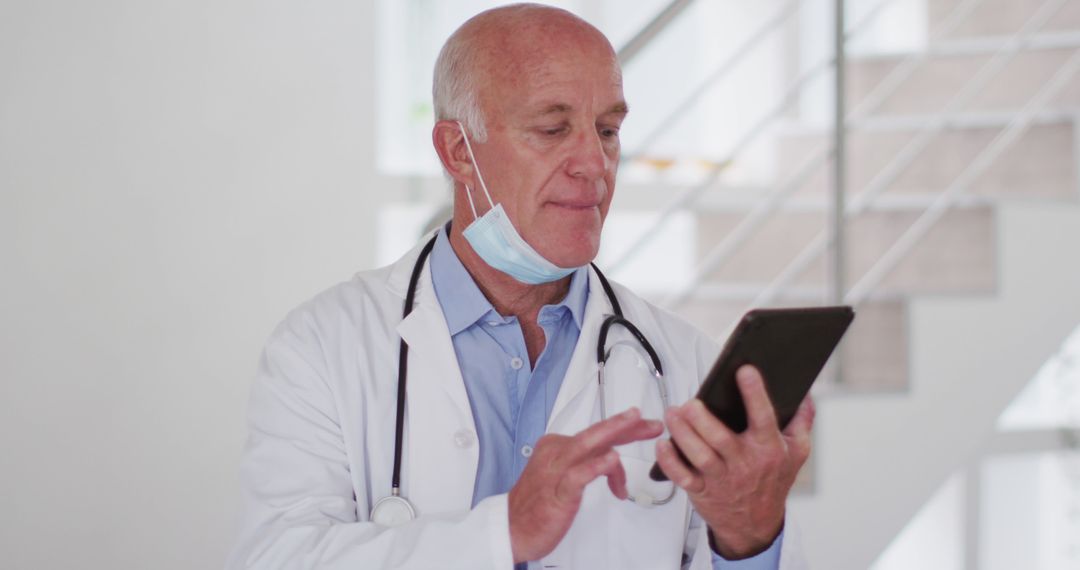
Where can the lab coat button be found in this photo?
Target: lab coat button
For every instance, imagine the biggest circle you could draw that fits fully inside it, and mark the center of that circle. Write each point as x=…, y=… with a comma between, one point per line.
x=516, y=363
x=464, y=438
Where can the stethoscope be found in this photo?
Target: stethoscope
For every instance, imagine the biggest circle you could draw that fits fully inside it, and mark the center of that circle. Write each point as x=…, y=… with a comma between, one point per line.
x=395, y=509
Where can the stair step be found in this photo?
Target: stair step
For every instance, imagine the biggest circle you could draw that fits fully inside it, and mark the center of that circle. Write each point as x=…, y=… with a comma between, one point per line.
x=1038, y=165
x=935, y=82
x=998, y=17
x=956, y=256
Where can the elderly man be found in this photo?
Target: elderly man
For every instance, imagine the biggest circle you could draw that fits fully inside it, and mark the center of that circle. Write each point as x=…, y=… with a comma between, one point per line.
x=470, y=433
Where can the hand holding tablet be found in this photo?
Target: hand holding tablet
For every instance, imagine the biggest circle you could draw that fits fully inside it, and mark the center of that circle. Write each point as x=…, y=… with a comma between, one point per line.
x=789, y=346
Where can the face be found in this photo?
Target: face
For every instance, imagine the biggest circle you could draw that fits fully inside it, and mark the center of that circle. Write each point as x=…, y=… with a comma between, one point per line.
x=553, y=120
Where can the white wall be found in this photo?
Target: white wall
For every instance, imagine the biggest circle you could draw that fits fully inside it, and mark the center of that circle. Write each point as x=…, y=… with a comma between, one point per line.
x=174, y=176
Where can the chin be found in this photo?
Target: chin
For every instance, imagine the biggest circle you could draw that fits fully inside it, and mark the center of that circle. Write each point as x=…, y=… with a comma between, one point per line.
x=574, y=252
x=568, y=241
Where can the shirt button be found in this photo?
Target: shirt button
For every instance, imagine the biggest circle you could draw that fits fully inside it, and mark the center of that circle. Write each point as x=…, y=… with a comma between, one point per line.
x=516, y=363
x=464, y=438
x=526, y=451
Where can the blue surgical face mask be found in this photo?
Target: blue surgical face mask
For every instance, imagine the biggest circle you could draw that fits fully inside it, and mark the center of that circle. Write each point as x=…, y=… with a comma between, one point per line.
x=493, y=237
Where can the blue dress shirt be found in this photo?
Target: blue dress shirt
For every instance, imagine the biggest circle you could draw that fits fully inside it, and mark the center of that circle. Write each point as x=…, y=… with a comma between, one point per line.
x=512, y=400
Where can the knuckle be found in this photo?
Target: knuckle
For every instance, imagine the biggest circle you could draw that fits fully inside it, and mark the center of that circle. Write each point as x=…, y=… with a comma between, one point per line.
x=577, y=476
x=772, y=462
x=709, y=462
x=585, y=439
x=772, y=455
x=803, y=449
x=720, y=439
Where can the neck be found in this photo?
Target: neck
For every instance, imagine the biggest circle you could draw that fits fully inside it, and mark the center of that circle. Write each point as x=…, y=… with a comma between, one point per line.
x=509, y=296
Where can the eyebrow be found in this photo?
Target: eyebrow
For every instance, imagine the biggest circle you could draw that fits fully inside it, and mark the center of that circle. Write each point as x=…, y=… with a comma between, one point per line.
x=619, y=108
x=554, y=109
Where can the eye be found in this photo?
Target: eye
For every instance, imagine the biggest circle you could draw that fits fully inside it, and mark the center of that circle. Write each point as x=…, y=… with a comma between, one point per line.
x=609, y=132
x=553, y=131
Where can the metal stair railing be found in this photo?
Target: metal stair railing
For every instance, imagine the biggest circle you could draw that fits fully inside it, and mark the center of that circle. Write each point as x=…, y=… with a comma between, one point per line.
x=786, y=10
x=1006, y=138
x=688, y=196
x=750, y=223
x=645, y=36
x=908, y=154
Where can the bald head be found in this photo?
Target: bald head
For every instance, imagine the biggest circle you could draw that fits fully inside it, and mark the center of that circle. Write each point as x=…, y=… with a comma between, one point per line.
x=499, y=46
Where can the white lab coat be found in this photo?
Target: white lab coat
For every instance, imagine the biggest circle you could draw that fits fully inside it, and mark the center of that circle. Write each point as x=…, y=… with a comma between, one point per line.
x=321, y=445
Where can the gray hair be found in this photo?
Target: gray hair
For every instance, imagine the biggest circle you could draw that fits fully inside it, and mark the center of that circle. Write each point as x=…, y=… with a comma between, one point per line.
x=454, y=89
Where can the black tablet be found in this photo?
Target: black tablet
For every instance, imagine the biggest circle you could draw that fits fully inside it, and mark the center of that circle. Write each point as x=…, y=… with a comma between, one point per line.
x=788, y=346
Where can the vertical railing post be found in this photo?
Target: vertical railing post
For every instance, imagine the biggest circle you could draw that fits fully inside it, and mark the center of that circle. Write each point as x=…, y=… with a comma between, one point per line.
x=839, y=177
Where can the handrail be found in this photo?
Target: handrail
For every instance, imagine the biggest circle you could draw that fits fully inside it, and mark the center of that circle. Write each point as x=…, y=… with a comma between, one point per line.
x=662, y=20
x=902, y=72
x=689, y=195
x=903, y=245
x=742, y=231
x=726, y=66
x=740, y=52
x=877, y=97
x=910, y=151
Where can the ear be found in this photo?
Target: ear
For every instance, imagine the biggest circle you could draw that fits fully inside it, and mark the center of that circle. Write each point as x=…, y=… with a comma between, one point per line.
x=450, y=145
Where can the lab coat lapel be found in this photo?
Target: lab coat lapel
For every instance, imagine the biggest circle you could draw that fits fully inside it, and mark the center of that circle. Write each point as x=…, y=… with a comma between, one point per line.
x=575, y=404
x=441, y=451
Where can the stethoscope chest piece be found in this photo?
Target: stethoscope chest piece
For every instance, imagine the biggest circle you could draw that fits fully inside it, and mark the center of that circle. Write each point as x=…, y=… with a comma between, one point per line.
x=392, y=511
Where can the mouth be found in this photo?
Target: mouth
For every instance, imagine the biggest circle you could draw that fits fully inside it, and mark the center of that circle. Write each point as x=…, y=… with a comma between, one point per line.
x=576, y=205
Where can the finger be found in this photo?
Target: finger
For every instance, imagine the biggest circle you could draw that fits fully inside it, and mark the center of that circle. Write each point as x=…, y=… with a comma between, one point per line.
x=616, y=480
x=710, y=428
x=624, y=428
x=803, y=421
x=571, y=486
x=798, y=432
x=760, y=415
x=701, y=456
x=677, y=471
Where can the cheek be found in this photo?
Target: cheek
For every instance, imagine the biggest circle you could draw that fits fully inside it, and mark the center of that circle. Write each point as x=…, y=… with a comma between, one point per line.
x=609, y=195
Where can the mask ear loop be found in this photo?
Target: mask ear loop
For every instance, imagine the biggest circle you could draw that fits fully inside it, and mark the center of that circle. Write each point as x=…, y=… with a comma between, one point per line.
x=468, y=194
x=472, y=158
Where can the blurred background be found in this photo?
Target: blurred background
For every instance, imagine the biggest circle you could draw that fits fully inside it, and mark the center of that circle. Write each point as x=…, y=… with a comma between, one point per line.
x=175, y=176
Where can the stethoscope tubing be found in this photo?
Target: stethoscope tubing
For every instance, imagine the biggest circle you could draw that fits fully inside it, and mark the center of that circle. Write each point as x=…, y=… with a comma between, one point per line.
x=403, y=363
x=601, y=358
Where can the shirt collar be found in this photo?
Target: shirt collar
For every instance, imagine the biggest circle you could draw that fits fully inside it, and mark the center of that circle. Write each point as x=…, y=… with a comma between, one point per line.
x=462, y=301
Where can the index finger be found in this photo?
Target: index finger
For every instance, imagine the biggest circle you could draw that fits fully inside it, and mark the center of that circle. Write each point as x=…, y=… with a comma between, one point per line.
x=760, y=414
x=624, y=428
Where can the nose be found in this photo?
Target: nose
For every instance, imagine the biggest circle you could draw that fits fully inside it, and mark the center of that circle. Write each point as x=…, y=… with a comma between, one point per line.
x=588, y=158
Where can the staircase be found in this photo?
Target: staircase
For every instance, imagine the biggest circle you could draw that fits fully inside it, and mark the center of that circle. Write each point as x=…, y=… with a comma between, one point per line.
x=963, y=153
x=879, y=458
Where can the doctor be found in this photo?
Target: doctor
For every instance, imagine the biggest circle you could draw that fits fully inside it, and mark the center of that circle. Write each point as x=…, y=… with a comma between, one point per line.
x=505, y=455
